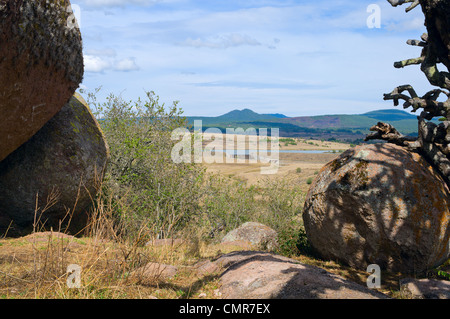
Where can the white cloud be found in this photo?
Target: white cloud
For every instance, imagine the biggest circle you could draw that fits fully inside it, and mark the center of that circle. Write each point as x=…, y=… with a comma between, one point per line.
x=95, y=64
x=125, y=65
x=222, y=41
x=100, y=64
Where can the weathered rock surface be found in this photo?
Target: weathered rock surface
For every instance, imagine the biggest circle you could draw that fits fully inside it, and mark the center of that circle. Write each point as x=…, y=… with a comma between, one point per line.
x=41, y=66
x=65, y=158
x=262, y=275
x=426, y=288
x=258, y=235
x=206, y=268
x=379, y=204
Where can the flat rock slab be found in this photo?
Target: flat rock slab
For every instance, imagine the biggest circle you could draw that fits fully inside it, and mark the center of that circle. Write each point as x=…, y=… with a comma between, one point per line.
x=41, y=66
x=55, y=176
x=262, y=275
x=426, y=288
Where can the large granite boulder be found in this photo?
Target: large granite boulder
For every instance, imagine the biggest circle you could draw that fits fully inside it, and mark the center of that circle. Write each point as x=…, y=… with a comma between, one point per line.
x=379, y=204
x=41, y=66
x=66, y=159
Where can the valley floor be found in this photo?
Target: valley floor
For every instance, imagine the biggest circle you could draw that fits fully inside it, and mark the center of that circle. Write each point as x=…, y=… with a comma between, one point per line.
x=304, y=165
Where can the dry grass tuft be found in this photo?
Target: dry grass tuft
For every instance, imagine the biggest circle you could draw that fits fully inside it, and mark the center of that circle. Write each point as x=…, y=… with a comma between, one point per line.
x=36, y=266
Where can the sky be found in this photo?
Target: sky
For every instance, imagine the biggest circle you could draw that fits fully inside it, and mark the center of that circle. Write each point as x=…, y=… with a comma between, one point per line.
x=298, y=58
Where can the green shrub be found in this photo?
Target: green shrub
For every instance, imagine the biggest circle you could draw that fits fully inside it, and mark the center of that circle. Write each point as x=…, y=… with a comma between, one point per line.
x=293, y=241
x=280, y=201
x=148, y=188
x=226, y=204
x=302, y=244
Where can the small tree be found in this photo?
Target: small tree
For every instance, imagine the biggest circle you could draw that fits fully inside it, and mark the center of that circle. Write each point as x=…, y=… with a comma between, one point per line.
x=433, y=140
x=147, y=188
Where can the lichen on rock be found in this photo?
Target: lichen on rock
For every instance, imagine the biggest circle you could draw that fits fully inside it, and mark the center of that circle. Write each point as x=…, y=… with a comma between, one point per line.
x=41, y=66
x=366, y=207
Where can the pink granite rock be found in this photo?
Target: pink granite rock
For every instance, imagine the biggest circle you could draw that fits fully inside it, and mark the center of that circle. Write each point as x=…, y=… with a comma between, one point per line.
x=262, y=275
x=379, y=204
x=255, y=234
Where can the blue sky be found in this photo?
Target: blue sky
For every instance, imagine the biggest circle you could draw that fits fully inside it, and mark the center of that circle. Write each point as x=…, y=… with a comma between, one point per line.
x=293, y=57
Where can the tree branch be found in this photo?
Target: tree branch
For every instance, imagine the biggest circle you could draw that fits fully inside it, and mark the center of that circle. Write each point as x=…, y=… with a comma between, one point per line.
x=396, y=3
x=433, y=142
x=431, y=152
x=417, y=43
x=429, y=68
x=386, y=132
x=402, y=64
x=432, y=108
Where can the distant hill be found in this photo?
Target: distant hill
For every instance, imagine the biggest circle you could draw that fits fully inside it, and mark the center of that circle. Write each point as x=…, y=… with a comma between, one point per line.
x=277, y=115
x=236, y=116
x=390, y=115
x=405, y=122
x=346, y=127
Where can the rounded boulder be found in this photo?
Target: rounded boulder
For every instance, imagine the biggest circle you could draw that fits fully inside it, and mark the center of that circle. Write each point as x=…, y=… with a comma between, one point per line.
x=41, y=66
x=52, y=179
x=379, y=204
x=256, y=234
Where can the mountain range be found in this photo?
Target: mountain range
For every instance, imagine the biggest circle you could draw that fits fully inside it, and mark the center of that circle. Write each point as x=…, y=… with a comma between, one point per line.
x=344, y=127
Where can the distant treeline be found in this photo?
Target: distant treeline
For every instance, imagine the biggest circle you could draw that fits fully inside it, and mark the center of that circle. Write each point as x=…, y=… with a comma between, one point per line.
x=290, y=130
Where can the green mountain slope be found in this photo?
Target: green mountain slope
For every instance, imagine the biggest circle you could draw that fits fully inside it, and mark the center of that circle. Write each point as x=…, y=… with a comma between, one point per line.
x=337, y=126
x=236, y=116
x=403, y=121
x=390, y=115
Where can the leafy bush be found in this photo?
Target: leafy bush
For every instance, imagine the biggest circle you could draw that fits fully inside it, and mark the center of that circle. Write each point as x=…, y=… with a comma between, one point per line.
x=280, y=202
x=293, y=241
x=147, y=187
x=226, y=204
